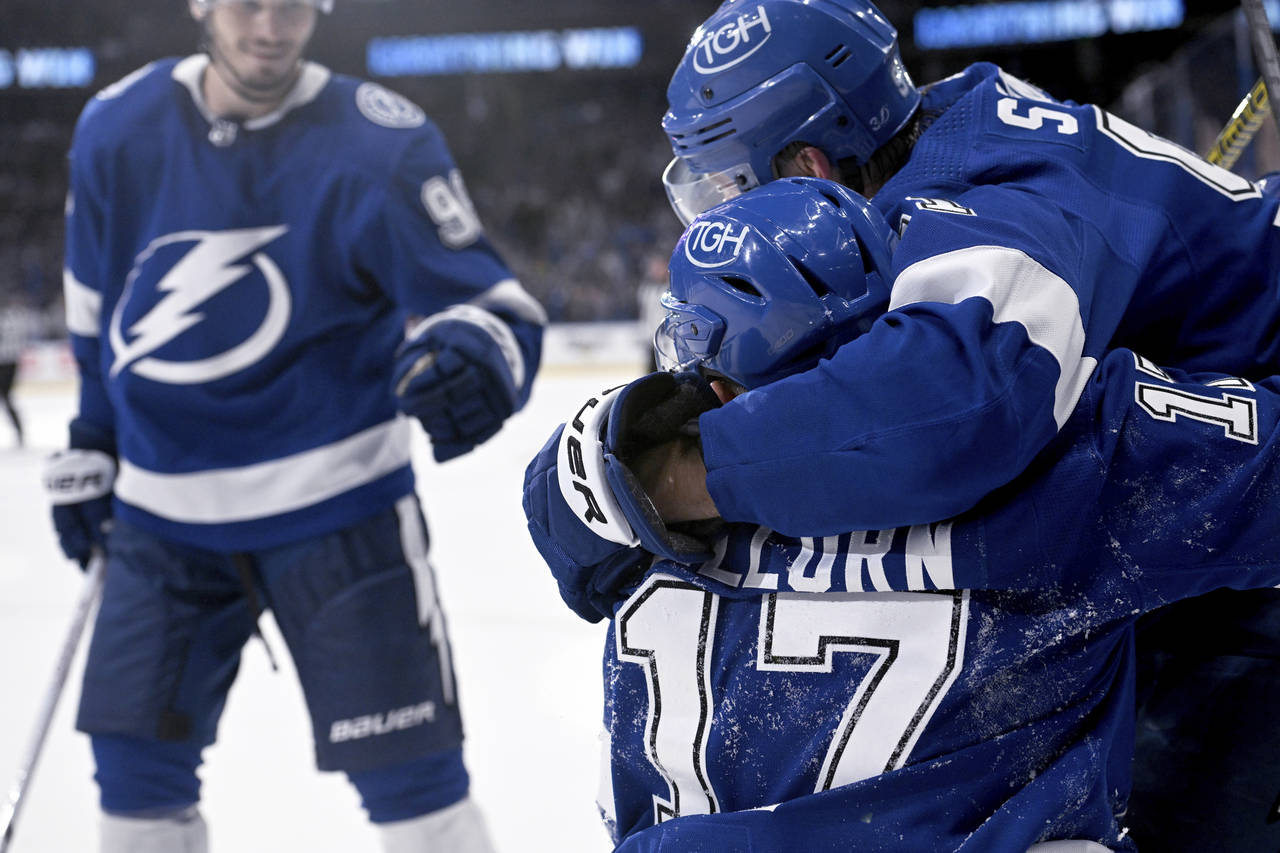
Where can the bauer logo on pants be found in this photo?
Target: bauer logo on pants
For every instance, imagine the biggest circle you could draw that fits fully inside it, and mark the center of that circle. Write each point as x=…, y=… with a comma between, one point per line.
x=381, y=724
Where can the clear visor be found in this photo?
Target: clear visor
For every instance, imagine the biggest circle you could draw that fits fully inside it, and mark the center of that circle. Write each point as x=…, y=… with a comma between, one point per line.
x=664, y=350
x=691, y=193
x=687, y=336
x=325, y=6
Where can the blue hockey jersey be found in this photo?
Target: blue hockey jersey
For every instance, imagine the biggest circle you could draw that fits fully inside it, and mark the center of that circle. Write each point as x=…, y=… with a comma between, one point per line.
x=1037, y=235
x=955, y=686
x=235, y=293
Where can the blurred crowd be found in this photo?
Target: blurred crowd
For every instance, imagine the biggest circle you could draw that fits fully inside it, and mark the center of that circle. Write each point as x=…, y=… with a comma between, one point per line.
x=564, y=173
x=564, y=169
x=32, y=192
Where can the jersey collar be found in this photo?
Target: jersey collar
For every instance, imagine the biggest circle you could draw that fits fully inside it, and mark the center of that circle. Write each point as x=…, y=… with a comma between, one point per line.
x=313, y=78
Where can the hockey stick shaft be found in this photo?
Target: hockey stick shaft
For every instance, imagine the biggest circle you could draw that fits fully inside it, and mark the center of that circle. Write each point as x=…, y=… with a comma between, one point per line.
x=1264, y=45
x=88, y=597
x=1240, y=130
x=1255, y=107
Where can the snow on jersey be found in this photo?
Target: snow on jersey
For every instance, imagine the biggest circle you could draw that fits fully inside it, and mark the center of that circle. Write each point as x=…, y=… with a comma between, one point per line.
x=235, y=293
x=960, y=686
x=1036, y=235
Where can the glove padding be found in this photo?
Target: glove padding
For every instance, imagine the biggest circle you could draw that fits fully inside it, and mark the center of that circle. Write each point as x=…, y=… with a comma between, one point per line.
x=588, y=568
x=79, y=482
x=655, y=409
x=458, y=377
x=588, y=515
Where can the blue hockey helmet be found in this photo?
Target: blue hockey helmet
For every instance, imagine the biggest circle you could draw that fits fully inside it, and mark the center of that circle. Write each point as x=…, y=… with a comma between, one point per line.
x=766, y=284
x=760, y=74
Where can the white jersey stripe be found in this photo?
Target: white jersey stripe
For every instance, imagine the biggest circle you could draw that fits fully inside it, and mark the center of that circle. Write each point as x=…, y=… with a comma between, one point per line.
x=83, y=306
x=1021, y=291
x=510, y=294
x=268, y=488
x=414, y=541
x=1143, y=144
x=491, y=324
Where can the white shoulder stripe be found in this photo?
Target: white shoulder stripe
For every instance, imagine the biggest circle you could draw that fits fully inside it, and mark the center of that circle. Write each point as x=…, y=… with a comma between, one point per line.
x=1019, y=88
x=1150, y=147
x=511, y=295
x=1021, y=291
x=268, y=488
x=83, y=306
x=492, y=324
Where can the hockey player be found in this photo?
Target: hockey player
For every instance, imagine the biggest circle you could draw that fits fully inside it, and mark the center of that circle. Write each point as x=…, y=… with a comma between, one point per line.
x=954, y=686
x=18, y=326
x=248, y=237
x=1049, y=232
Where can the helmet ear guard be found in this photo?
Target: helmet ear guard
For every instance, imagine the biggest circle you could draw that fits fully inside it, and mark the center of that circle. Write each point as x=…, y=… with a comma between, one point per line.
x=765, y=285
x=758, y=76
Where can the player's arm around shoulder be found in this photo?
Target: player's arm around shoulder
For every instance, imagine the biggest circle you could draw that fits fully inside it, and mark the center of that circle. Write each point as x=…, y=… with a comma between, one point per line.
x=948, y=397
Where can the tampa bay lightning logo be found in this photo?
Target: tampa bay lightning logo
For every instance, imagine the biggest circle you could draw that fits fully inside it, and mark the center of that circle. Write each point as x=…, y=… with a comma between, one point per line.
x=713, y=243
x=189, y=270
x=732, y=41
x=385, y=107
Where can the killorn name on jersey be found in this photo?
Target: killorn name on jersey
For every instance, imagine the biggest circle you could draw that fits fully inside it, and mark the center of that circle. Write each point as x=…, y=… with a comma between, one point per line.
x=861, y=561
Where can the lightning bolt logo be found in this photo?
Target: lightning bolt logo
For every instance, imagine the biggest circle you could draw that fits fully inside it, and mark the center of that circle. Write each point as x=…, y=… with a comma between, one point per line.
x=205, y=270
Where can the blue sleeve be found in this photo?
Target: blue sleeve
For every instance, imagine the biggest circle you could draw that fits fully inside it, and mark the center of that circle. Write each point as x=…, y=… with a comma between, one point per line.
x=83, y=287
x=949, y=396
x=1178, y=259
x=1163, y=482
x=1160, y=486
x=425, y=246
x=1192, y=476
x=919, y=434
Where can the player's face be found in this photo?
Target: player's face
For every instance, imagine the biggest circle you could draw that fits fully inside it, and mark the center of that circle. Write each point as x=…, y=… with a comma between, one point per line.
x=256, y=45
x=725, y=389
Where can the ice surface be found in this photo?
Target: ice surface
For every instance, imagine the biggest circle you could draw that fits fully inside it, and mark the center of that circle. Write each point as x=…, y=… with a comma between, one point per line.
x=528, y=669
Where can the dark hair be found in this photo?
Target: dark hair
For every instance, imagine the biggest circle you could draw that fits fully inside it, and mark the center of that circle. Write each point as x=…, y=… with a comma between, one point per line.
x=880, y=167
